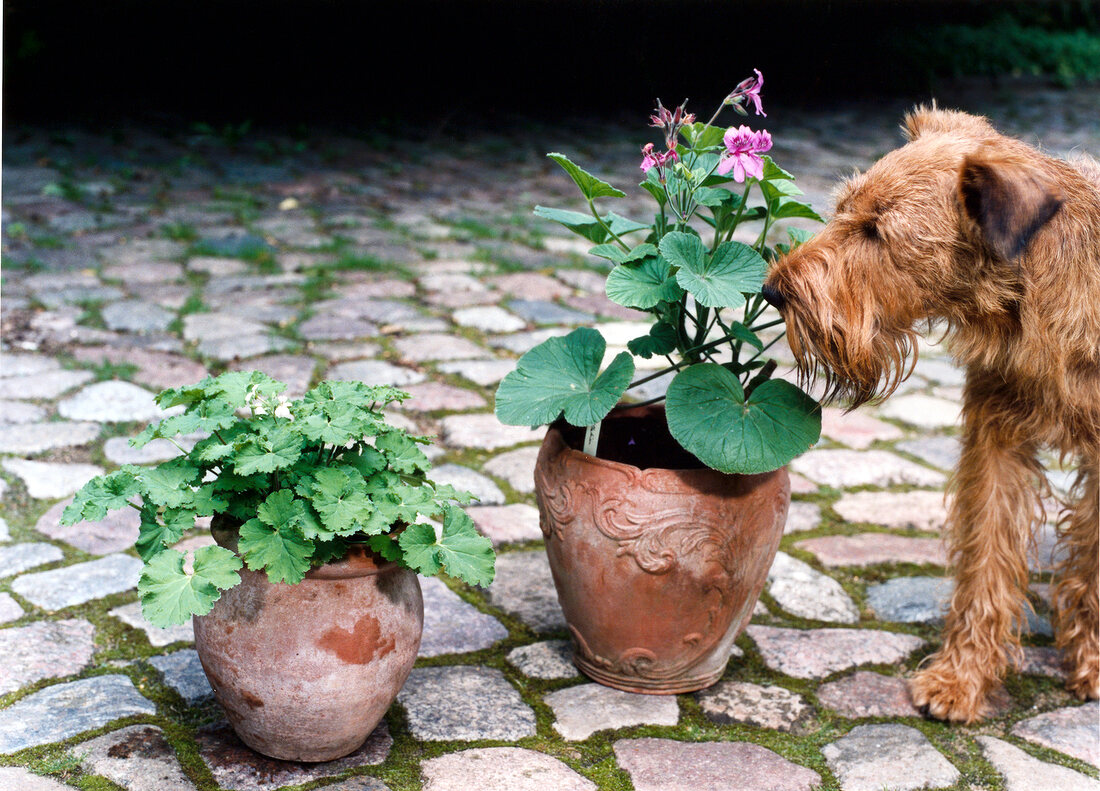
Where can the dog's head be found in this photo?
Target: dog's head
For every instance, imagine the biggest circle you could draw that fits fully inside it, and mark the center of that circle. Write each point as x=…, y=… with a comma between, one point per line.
x=932, y=230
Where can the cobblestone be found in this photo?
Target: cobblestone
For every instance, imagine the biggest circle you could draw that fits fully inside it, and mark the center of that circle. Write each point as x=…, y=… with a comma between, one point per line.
x=844, y=469
x=111, y=402
x=44, y=649
x=64, y=587
x=771, y=707
x=454, y=626
x=867, y=549
x=816, y=653
x=465, y=479
x=62, y=711
x=803, y=591
x=47, y=480
x=484, y=431
x=138, y=758
x=585, y=709
x=130, y=614
x=524, y=588
x=1071, y=730
x=916, y=510
x=1022, y=772
x=15, y=558
x=551, y=659
x=516, y=467
x=505, y=524
x=736, y=766
x=183, y=672
x=873, y=757
x=116, y=532
x=501, y=769
x=464, y=703
x=867, y=694
x=30, y=438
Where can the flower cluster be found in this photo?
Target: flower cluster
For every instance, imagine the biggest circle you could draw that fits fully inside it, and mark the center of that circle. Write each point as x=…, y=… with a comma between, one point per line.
x=743, y=146
x=743, y=150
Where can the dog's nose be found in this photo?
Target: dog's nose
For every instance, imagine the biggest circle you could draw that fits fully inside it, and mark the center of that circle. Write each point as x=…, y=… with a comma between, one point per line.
x=773, y=297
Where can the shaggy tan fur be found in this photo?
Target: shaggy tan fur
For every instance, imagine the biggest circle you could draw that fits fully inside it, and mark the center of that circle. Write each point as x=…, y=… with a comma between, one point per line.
x=1002, y=244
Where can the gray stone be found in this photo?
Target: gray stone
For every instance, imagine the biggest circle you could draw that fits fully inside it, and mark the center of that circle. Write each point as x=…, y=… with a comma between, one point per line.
x=118, y=450
x=524, y=588
x=910, y=599
x=501, y=769
x=19, y=365
x=803, y=591
x=30, y=438
x=64, y=587
x=115, y=532
x=183, y=672
x=1074, y=730
x=49, y=384
x=855, y=429
x=484, y=431
x=294, y=370
x=465, y=479
x=112, y=402
x=517, y=468
x=5, y=531
x=212, y=326
x=816, y=653
x=923, y=411
x=15, y=558
x=667, y=765
x=236, y=766
x=915, y=510
x=9, y=608
x=464, y=703
x=16, y=778
x=138, y=758
x=488, y=319
x=51, y=480
x=45, y=649
x=582, y=710
x=374, y=372
x=844, y=469
x=62, y=711
x=361, y=783
x=550, y=659
x=867, y=694
x=437, y=346
x=218, y=267
x=1022, y=772
x=241, y=346
x=891, y=757
x=453, y=626
x=131, y=615
x=17, y=412
x=942, y=452
x=328, y=327
x=802, y=517
x=482, y=372
x=771, y=707
x=541, y=312
x=134, y=315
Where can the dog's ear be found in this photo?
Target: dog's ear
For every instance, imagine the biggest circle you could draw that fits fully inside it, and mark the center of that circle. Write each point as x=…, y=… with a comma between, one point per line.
x=1008, y=197
x=930, y=119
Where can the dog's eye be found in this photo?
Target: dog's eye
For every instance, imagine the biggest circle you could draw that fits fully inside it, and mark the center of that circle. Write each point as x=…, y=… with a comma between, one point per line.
x=870, y=230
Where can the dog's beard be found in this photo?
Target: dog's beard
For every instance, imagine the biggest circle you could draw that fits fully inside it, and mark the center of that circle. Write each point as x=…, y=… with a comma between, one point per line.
x=851, y=370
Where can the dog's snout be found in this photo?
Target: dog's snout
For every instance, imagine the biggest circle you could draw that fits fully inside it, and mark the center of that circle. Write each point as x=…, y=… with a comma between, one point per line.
x=773, y=296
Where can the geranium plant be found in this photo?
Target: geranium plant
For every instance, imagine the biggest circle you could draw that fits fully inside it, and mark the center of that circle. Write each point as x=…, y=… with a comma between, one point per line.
x=301, y=482
x=703, y=290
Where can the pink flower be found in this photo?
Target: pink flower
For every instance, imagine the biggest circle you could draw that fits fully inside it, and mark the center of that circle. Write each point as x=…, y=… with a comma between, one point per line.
x=753, y=92
x=652, y=160
x=743, y=147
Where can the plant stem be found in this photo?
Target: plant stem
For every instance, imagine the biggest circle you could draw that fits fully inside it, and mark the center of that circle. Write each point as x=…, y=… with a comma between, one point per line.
x=740, y=210
x=681, y=364
x=599, y=219
x=640, y=403
x=766, y=326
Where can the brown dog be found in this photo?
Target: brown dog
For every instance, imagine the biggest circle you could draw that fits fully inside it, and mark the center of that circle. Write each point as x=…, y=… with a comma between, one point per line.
x=1002, y=244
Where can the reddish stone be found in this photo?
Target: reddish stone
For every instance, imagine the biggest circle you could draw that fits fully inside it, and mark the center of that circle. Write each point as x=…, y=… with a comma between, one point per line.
x=507, y=523
x=432, y=396
x=867, y=549
x=667, y=765
x=157, y=369
x=867, y=694
x=855, y=429
x=602, y=306
x=815, y=653
x=529, y=285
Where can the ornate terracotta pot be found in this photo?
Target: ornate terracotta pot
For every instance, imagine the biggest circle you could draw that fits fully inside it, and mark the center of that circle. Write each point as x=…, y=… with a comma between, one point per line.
x=305, y=672
x=657, y=568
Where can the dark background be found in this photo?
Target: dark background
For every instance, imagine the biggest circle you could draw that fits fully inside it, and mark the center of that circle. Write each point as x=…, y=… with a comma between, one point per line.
x=322, y=62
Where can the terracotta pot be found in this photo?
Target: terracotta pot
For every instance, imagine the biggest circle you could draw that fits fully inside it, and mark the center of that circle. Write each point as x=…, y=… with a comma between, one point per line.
x=657, y=570
x=305, y=672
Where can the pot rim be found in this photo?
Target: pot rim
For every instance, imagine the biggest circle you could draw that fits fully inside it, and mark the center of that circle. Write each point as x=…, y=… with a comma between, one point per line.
x=648, y=411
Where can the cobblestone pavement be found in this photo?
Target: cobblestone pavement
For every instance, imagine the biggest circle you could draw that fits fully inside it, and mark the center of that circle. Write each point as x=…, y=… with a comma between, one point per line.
x=134, y=262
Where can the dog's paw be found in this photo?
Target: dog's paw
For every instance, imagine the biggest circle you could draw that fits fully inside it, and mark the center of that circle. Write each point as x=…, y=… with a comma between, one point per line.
x=954, y=699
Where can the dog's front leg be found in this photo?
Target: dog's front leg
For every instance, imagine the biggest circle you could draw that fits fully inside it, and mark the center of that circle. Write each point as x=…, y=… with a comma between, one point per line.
x=990, y=524
x=1077, y=585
